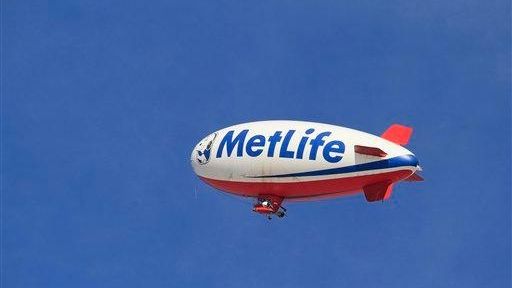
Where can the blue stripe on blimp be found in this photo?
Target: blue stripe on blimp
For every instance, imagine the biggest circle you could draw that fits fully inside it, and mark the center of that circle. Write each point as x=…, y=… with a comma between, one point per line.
x=399, y=161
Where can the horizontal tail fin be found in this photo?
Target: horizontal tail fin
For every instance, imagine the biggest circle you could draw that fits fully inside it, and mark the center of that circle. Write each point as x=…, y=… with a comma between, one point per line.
x=367, y=150
x=398, y=134
x=416, y=177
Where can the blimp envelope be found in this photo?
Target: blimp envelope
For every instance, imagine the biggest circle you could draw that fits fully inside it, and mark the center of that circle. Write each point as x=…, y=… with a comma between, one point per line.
x=274, y=161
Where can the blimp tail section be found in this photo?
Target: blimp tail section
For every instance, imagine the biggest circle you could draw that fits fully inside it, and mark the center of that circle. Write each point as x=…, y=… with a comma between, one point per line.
x=398, y=134
x=416, y=177
x=378, y=192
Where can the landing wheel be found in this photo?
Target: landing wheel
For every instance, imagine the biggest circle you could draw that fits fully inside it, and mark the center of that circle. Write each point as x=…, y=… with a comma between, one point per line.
x=280, y=214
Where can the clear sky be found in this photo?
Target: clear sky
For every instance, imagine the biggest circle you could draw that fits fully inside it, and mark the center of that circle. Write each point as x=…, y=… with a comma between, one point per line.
x=103, y=102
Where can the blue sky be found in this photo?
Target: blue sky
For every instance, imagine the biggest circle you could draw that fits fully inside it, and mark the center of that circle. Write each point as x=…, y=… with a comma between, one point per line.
x=103, y=102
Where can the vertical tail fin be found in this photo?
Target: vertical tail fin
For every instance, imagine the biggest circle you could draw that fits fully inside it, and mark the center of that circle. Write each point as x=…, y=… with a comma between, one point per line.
x=379, y=191
x=398, y=134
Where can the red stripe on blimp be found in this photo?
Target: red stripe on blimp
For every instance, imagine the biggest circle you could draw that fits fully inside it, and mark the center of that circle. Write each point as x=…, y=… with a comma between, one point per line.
x=305, y=189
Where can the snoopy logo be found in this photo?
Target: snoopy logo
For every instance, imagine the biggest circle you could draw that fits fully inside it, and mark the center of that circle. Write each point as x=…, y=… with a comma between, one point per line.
x=203, y=149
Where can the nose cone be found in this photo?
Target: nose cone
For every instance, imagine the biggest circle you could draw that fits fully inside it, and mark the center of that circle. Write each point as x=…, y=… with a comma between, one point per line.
x=202, y=153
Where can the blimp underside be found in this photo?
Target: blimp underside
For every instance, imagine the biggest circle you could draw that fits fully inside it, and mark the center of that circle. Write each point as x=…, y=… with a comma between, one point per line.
x=274, y=161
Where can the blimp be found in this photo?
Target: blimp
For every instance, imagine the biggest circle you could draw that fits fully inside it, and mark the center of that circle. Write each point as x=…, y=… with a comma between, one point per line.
x=277, y=161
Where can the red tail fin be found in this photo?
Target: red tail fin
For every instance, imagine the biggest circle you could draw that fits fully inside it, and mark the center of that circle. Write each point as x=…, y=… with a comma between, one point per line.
x=398, y=134
x=414, y=178
x=379, y=191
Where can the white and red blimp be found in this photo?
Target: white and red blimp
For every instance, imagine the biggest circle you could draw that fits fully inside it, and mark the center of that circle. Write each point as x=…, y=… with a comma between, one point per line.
x=274, y=161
